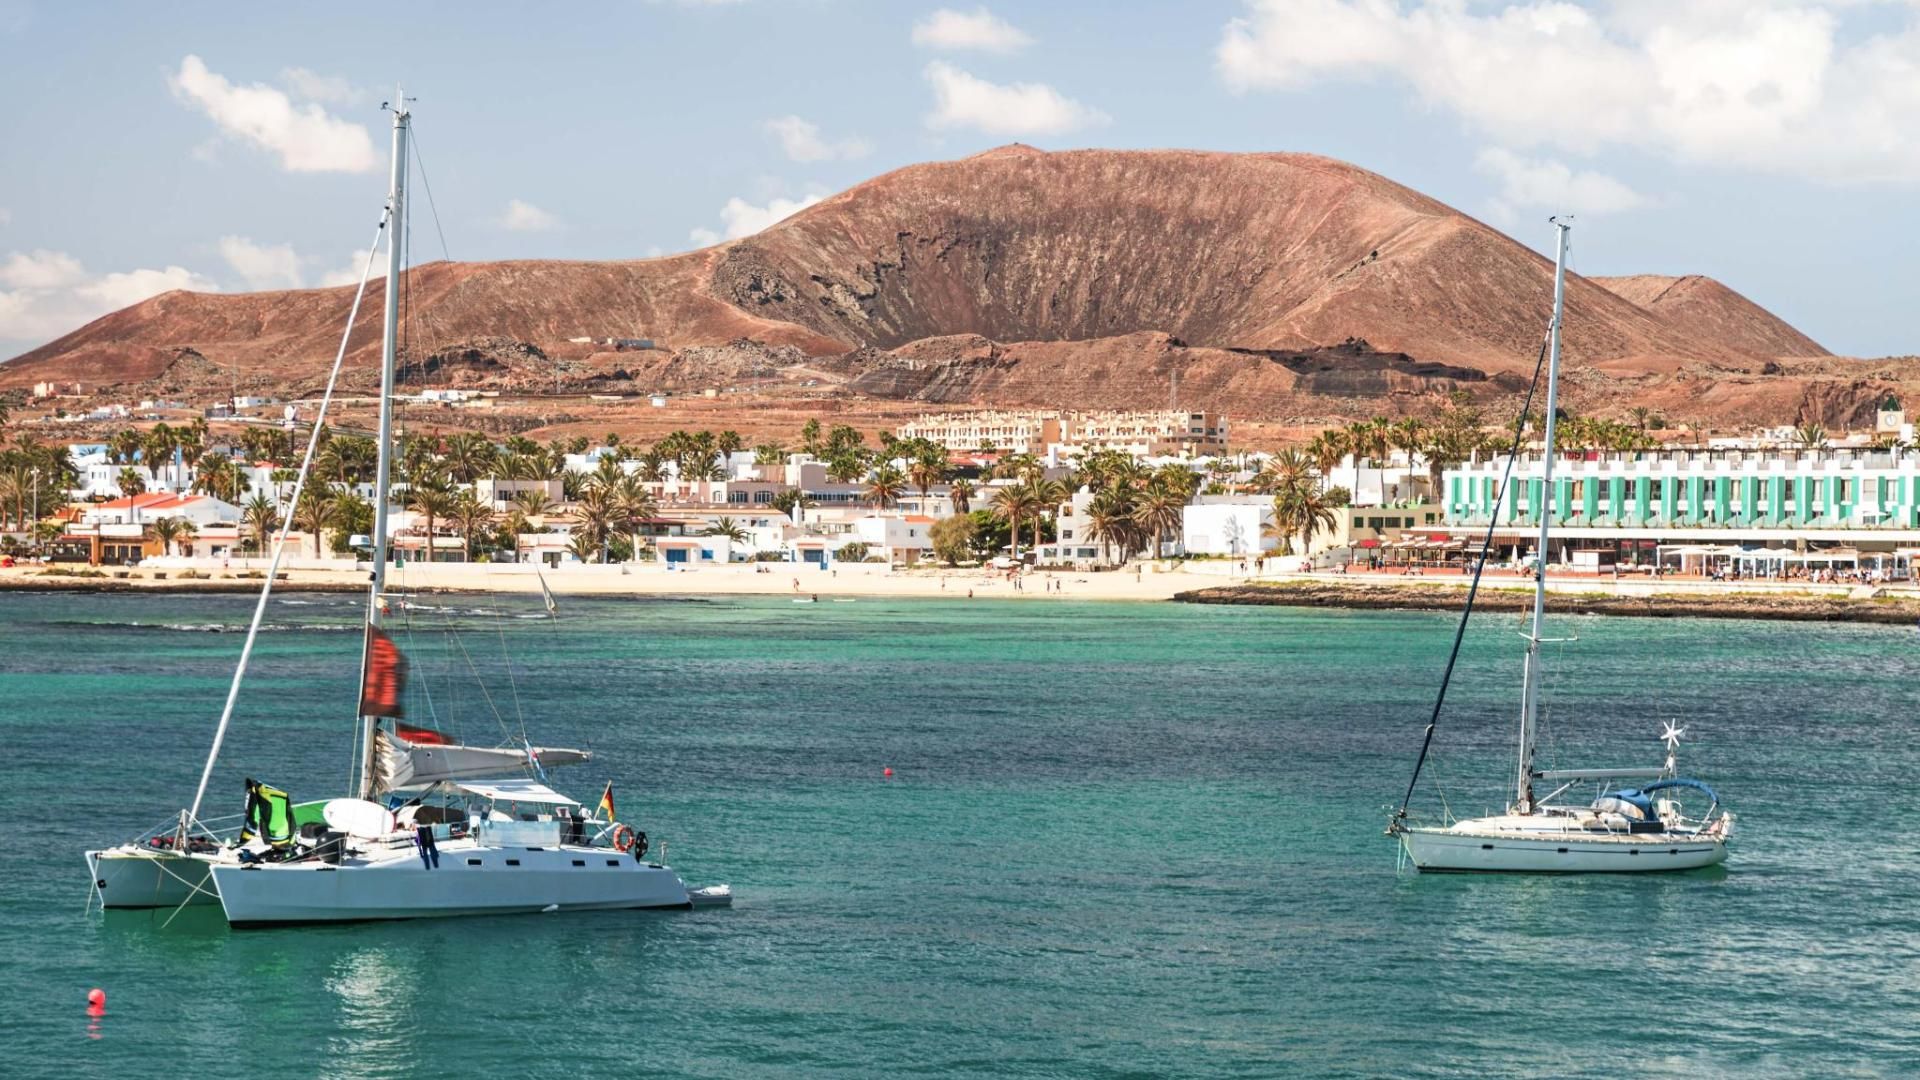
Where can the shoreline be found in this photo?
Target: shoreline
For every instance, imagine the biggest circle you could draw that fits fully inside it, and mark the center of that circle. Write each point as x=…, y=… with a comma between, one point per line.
x=1887, y=610
x=1211, y=583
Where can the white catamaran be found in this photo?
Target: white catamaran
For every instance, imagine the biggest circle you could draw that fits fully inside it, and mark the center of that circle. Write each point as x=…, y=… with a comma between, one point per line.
x=432, y=828
x=1624, y=828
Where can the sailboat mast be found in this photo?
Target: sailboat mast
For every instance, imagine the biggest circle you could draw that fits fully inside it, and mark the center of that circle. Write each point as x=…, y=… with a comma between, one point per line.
x=1530, y=692
x=389, y=337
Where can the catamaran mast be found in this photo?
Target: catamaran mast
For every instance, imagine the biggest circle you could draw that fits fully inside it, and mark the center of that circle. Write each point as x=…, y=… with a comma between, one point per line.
x=1530, y=693
x=383, y=472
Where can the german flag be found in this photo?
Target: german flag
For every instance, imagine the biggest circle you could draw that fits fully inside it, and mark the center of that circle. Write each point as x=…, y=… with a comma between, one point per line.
x=606, y=800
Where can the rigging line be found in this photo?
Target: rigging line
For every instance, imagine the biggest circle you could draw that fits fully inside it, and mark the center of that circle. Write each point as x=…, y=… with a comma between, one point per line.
x=484, y=692
x=428, y=184
x=1479, y=568
x=506, y=661
x=280, y=542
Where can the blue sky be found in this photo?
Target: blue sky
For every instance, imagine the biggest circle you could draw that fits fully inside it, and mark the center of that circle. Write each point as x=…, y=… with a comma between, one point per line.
x=1769, y=144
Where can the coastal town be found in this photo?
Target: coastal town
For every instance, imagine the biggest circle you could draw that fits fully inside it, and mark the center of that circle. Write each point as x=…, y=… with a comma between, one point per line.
x=1107, y=496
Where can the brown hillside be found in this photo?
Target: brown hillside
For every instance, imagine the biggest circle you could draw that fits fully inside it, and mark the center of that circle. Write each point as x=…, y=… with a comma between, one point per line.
x=1105, y=270
x=1703, y=308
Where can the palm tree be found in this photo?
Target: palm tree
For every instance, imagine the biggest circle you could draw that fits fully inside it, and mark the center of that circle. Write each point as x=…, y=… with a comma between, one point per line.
x=1301, y=511
x=1110, y=519
x=1048, y=494
x=430, y=497
x=791, y=501
x=728, y=528
x=262, y=515
x=634, y=506
x=769, y=453
x=1158, y=510
x=469, y=456
x=172, y=530
x=960, y=492
x=532, y=503
x=1811, y=435
x=1361, y=438
x=925, y=471
x=884, y=486
x=598, y=510
x=846, y=468
x=810, y=438
x=585, y=546
x=124, y=446
x=729, y=442
x=1408, y=435
x=130, y=481
x=1328, y=449
x=653, y=464
x=471, y=515
x=1013, y=503
x=1287, y=469
x=318, y=510
x=219, y=477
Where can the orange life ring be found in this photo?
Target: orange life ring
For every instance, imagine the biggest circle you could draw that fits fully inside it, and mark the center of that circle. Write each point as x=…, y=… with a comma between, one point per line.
x=622, y=839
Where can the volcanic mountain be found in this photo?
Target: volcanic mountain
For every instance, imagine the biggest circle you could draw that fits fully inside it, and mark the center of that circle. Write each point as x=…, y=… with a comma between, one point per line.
x=1266, y=282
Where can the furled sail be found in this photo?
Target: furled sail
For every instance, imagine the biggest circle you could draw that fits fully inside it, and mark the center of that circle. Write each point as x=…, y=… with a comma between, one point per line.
x=398, y=763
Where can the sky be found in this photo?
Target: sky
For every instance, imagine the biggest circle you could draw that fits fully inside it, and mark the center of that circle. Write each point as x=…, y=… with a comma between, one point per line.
x=1772, y=145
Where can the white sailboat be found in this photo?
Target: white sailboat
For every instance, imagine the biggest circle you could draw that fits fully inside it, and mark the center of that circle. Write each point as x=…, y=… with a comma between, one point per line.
x=1635, y=823
x=432, y=829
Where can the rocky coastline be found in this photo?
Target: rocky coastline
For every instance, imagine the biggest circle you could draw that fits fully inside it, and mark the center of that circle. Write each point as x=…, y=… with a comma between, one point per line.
x=1881, y=609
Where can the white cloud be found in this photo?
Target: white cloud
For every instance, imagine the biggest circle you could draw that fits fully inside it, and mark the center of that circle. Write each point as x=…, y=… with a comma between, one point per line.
x=525, y=217
x=306, y=137
x=48, y=293
x=1770, y=87
x=802, y=142
x=980, y=29
x=41, y=269
x=1542, y=183
x=741, y=218
x=349, y=272
x=262, y=266
x=311, y=86
x=963, y=101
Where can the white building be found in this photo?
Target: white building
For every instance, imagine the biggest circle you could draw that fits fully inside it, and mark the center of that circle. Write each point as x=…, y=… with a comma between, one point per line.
x=1228, y=525
x=151, y=507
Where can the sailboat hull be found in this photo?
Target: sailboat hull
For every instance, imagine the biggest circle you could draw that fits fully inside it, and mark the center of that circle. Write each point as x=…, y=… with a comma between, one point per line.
x=1458, y=850
x=133, y=877
x=468, y=881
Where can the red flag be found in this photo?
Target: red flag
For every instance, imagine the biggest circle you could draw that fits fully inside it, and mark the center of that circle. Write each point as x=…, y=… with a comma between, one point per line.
x=386, y=676
x=420, y=736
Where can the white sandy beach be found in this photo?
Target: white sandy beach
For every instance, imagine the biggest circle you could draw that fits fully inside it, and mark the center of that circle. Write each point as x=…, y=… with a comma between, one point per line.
x=1141, y=582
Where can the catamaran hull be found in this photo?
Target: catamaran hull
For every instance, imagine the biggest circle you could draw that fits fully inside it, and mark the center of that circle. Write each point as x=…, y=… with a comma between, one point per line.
x=1445, y=851
x=284, y=894
x=131, y=877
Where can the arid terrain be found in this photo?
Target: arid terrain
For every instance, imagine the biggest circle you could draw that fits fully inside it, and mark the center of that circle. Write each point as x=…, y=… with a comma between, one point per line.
x=1283, y=289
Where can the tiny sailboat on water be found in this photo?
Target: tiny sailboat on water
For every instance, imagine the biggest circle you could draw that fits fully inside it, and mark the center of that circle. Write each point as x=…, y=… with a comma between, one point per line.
x=432, y=828
x=1636, y=822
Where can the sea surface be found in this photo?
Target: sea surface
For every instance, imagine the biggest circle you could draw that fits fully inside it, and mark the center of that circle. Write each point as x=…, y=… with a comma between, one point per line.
x=1120, y=840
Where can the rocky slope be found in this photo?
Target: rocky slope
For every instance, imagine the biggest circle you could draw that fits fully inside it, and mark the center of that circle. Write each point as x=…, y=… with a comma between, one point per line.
x=1019, y=277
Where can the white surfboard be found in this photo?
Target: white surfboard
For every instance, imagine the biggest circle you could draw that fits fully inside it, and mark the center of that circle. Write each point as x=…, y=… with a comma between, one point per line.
x=358, y=817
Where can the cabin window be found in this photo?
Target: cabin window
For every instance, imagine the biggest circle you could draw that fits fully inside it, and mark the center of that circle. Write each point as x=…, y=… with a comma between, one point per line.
x=473, y=862
x=613, y=862
x=579, y=862
x=513, y=862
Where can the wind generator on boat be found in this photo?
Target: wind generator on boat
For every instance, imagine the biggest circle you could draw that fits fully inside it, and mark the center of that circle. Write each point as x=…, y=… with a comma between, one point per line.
x=1636, y=822
x=432, y=828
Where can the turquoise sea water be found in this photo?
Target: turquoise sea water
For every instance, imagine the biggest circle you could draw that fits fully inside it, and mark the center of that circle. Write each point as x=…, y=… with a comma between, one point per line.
x=1120, y=840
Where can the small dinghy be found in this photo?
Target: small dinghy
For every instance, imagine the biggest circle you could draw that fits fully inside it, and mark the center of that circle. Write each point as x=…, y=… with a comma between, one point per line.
x=711, y=896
